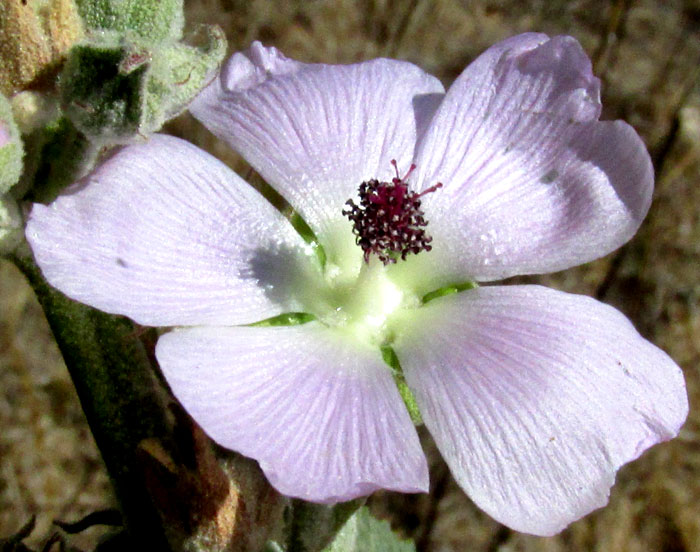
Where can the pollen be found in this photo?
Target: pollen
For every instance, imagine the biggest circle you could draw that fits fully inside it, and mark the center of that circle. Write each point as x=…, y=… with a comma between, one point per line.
x=389, y=221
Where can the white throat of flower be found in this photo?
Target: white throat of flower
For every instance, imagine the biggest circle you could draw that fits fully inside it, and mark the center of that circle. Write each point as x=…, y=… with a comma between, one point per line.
x=387, y=226
x=355, y=296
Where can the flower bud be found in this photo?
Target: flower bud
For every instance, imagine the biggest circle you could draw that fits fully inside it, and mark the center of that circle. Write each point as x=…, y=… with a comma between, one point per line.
x=114, y=89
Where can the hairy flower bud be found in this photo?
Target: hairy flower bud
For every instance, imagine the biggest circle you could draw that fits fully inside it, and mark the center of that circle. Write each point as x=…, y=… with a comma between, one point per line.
x=115, y=90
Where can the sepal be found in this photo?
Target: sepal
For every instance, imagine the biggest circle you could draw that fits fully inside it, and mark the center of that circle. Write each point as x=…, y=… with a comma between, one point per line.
x=103, y=87
x=115, y=90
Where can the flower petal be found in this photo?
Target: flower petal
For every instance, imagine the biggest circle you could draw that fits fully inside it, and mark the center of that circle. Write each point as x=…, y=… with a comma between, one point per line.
x=319, y=412
x=536, y=397
x=166, y=234
x=533, y=183
x=315, y=132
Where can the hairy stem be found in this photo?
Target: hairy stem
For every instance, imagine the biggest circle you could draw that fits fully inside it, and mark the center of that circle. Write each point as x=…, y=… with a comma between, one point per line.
x=117, y=391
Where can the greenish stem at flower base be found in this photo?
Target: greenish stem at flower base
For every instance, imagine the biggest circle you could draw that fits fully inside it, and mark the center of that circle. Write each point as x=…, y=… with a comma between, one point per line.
x=390, y=358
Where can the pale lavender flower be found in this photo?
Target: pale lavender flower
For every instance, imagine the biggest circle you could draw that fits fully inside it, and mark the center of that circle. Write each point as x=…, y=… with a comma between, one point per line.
x=534, y=397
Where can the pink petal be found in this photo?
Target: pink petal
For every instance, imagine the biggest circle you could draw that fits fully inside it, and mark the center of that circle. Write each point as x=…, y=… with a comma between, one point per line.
x=533, y=183
x=318, y=411
x=316, y=132
x=164, y=233
x=536, y=397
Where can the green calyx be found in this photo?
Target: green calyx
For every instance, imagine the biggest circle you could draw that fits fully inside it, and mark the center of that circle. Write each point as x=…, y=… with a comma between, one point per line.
x=364, y=533
x=116, y=89
x=134, y=71
x=448, y=290
x=390, y=358
x=308, y=235
x=286, y=319
x=114, y=109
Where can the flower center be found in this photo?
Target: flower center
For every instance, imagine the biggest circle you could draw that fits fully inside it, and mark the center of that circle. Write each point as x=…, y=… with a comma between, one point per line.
x=355, y=297
x=364, y=306
x=389, y=221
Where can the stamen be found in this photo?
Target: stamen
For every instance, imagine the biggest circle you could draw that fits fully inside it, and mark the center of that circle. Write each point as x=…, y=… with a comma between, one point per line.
x=389, y=221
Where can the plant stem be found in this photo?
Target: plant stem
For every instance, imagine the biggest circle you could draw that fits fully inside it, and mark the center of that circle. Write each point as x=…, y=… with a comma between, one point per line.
x=118, y=393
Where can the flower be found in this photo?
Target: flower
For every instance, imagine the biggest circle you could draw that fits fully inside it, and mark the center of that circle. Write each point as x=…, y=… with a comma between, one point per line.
x=534, y=397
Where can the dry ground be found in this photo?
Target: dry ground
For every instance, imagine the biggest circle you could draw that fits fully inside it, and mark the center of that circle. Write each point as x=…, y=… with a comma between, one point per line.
x=647, y=54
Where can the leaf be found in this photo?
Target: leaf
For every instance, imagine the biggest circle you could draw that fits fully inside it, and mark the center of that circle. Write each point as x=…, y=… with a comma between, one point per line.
x=154, y=20
x=364, y=533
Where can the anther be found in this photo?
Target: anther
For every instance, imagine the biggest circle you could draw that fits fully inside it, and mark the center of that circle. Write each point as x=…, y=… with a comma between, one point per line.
x=388, y=221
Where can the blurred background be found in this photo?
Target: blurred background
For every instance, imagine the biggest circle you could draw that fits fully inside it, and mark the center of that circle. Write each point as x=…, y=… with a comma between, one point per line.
x=647, y=54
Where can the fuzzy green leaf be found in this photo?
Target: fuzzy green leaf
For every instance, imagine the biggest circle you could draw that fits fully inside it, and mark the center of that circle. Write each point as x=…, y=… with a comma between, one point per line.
x=363, y=533
x=149, y=20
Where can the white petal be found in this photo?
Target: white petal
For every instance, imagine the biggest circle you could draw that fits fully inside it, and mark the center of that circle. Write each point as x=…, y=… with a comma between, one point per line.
x=536, y=397
x=319, y=412
x=166, y=234
x=533, y=183
x=316, y=132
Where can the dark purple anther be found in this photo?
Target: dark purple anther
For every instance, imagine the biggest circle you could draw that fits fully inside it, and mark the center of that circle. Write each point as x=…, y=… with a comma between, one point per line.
x=389, y=222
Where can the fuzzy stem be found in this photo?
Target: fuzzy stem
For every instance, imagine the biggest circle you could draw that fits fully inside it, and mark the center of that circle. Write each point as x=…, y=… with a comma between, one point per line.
x=118, y=393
